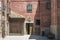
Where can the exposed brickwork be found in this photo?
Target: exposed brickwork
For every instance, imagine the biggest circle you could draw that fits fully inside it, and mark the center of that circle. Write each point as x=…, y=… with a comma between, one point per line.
x=58, y=12
x=58, y=19
x=21, y=8
x=43, y=13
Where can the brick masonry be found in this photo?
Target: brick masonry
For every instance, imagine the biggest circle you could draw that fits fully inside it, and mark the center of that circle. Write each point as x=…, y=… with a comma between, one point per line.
x=38, y=12
x=58, y=19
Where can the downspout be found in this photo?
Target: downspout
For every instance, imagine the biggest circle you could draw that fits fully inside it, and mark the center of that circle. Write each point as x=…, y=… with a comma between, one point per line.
x=3, y=20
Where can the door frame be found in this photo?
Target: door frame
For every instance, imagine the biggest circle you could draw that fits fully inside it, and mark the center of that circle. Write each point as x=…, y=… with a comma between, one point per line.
x=29, y=28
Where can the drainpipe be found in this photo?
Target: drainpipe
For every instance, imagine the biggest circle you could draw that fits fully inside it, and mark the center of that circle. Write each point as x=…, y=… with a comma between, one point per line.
x=3, y=19
x=8, y=11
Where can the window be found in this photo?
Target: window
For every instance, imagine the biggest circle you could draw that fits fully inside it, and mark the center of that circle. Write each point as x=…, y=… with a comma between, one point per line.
x=48, y=5
x=3, y=14
x=29, y=8
x=37, y=22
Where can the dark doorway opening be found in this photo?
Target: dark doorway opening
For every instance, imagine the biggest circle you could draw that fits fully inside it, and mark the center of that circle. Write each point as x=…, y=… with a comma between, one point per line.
x=29, y=28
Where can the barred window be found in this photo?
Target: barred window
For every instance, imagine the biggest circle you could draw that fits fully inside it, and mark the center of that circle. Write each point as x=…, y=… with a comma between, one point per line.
x=3, y=14
x=48, y=5
x=29, y=8
x=37, y=22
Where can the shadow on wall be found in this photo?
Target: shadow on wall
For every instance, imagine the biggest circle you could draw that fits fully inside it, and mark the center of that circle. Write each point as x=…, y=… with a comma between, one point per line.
x=43, y=15
x=37, y=17
x=45, y=21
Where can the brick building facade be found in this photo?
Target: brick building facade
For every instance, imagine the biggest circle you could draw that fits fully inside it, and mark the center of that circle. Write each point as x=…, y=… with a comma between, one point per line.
x=40, y=14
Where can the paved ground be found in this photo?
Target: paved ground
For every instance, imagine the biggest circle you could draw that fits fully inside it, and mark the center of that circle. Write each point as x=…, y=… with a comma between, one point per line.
x=25, y=37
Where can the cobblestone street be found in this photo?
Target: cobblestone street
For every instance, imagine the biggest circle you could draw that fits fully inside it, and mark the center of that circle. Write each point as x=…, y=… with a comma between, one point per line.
x=25, y=37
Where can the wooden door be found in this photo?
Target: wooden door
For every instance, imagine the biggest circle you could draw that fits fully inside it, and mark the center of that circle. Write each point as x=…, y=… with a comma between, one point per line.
x=29, y=28
x=13, y=28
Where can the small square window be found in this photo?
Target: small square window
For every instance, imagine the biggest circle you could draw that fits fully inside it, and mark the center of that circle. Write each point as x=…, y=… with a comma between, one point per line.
x=48, y=5
x=37, y=22
x=3, y=14
x=29, y=8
